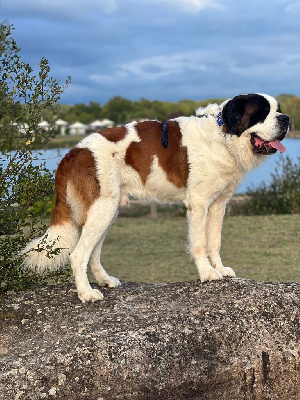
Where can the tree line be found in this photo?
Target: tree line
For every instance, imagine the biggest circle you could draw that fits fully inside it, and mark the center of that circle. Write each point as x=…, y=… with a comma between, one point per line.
x=121, y=110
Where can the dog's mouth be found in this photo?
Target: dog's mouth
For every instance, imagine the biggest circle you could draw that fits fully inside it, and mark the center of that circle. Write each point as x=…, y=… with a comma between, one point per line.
x=264, y=147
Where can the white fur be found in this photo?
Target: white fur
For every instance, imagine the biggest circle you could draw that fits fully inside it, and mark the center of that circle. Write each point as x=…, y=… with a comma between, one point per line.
x=37, y=253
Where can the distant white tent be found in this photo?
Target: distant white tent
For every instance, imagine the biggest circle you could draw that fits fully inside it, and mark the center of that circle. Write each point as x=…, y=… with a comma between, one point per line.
x=101, y=124
x=77, y=128
x=44, y=125
x=107, y=123
x=62, y=125
x=23, y=127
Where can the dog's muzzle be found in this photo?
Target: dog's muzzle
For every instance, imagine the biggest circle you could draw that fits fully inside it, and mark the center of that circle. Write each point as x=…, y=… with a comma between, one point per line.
x=283, y=122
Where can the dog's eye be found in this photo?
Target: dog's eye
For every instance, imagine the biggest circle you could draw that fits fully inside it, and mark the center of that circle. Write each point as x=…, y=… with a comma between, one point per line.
x=278, y=108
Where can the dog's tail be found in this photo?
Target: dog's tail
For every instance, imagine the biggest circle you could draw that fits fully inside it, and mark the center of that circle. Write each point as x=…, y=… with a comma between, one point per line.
x=51, y=251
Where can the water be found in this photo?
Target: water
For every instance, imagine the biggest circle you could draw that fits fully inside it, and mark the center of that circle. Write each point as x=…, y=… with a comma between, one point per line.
x=253, y=179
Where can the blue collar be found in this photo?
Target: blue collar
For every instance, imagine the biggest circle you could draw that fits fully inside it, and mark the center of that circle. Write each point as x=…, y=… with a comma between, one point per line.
x=219, y=119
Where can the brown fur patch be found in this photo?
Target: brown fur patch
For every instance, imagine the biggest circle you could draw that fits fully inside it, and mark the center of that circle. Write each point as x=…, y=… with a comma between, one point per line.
x=79, y=168
x=173, y=159
x=114, y=134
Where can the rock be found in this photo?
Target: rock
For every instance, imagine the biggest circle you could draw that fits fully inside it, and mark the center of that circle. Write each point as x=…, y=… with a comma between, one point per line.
x=232, y=339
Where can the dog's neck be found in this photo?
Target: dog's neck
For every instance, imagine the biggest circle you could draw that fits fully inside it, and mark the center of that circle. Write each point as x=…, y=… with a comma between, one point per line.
x=212, y=110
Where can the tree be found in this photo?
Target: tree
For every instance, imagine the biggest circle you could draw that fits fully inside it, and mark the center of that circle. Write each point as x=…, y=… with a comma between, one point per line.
x=118, y=109
x=24, y=96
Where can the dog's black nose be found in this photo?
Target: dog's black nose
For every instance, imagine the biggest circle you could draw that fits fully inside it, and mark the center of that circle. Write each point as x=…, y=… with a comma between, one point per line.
x=283, y=120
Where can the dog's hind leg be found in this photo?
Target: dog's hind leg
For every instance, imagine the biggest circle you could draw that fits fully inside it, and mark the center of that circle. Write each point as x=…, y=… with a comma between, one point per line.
x=98, y=271
x=99, y=218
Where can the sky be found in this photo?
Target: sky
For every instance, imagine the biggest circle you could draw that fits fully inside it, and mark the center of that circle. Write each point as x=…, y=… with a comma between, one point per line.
x=165, y=50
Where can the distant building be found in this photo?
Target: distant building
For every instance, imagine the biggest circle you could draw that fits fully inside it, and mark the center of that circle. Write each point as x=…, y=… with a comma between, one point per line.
x=23, y=127
x=44, y=126
x=101, y=124
x=77, y=128
x=62, y=126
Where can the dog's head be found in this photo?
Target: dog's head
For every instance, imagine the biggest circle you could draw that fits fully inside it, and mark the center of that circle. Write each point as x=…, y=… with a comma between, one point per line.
x=258, y=116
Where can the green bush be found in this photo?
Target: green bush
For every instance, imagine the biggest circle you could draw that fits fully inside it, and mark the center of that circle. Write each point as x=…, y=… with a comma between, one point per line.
x=24, y=188
x=281, y=196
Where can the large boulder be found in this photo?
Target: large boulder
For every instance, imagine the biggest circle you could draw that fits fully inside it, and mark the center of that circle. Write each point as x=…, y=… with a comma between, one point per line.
x=232, y=339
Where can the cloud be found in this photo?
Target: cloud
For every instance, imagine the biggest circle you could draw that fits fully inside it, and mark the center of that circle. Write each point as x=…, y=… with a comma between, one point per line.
x=247, y=58
x=291, y=5
x=189, y=6
x=91, y=9
x=164, y=49
x=60, y=9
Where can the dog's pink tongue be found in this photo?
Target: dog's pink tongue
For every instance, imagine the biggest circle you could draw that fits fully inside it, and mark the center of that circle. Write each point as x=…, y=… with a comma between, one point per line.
x=258, y=141
x=276, y=144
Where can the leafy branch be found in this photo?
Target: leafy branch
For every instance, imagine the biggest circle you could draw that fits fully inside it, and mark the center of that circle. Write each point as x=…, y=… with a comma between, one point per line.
x=25, y=189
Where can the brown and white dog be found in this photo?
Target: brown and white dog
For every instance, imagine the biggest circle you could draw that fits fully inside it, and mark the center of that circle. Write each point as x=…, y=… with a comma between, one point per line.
x=204, y=160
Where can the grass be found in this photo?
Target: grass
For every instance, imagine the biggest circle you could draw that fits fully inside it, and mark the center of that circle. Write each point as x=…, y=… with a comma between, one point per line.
x=263, y=248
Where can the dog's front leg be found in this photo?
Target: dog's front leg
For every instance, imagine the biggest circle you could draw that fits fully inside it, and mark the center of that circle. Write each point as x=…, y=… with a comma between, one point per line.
x=214, y=230
x=197, y=220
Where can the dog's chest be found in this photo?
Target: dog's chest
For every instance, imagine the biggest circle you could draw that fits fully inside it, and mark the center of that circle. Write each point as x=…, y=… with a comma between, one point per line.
x=212, y=168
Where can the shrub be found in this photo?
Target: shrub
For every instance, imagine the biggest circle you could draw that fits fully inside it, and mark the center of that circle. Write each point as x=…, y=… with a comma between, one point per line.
x=281, y=196
x=23, y=187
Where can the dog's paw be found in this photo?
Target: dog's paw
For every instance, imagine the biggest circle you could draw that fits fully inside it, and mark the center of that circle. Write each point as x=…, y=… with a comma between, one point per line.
x=108, y=281
x=210, y=274
x=112, y=282
x=227, y=271
x=90, y=295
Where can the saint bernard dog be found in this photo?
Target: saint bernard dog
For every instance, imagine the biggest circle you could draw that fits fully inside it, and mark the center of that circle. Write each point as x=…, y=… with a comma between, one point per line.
x=198, y=160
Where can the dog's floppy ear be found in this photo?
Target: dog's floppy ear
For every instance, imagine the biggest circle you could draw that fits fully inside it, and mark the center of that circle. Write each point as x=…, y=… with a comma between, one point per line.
x=244, y=111
x=232, y=115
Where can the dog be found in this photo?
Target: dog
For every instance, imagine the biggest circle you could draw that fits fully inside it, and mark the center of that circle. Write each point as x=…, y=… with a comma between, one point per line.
x=198, y=160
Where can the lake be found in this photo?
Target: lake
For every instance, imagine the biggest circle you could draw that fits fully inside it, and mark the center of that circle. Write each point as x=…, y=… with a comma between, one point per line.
x=253, y=179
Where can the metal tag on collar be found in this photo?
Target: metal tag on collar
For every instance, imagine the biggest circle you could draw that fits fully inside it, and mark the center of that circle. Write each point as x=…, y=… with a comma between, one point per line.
x=219, y=119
